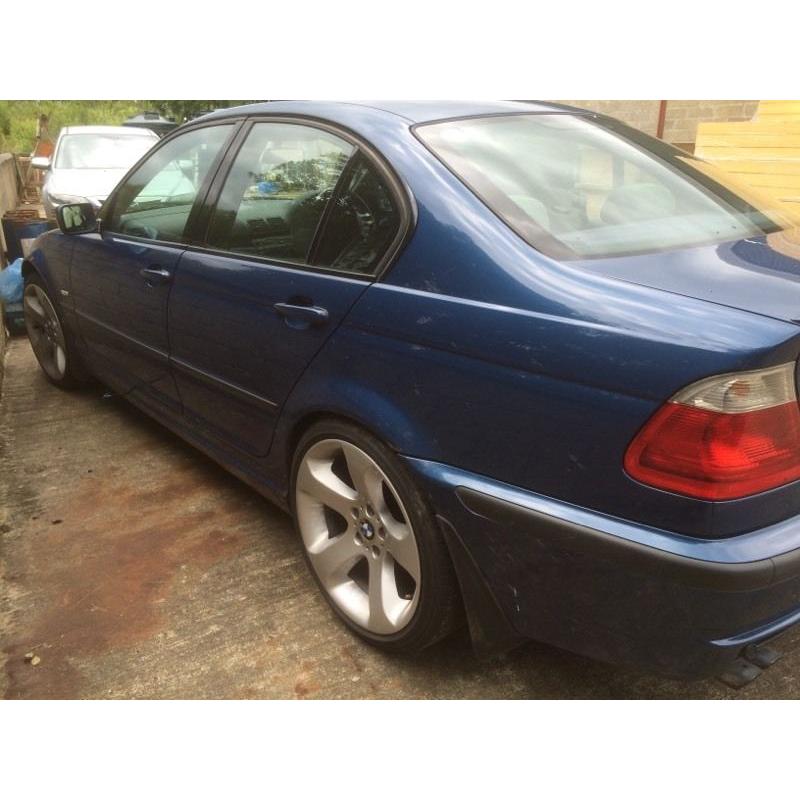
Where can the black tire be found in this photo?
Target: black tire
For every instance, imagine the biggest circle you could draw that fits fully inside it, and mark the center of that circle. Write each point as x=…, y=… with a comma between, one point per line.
x=439, y=605
x=74, y=373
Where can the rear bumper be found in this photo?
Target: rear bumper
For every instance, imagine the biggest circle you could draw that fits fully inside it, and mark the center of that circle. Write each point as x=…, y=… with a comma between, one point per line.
x=615, y=590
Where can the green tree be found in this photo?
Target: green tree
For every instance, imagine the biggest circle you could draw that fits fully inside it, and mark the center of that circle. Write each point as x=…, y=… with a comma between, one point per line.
x=18, y=117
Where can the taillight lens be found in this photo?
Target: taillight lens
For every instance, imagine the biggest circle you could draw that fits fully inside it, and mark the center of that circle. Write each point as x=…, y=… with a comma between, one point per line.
x=723, y=437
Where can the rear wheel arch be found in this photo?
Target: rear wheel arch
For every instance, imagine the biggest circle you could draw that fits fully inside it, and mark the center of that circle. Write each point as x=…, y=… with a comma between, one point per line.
x=311, y=418
x=386, y=420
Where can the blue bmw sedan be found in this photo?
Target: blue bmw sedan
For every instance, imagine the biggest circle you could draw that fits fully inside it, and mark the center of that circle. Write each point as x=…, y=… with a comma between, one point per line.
x=515, y=364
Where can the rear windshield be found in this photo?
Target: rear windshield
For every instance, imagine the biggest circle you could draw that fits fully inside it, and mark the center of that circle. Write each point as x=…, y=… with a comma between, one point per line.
x=576, y=187
x=101, y=151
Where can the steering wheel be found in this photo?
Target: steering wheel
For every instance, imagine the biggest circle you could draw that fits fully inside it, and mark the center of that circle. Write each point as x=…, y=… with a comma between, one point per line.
x=362, y=213
x=135, y=228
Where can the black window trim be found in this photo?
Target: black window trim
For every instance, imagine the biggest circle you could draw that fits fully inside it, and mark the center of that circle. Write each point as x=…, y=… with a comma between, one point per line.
x=107, y=209
x=401, y=193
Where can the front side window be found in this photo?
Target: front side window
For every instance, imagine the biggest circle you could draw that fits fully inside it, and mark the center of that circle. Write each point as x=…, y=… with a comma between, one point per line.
x=101, y=151
x=155, y=202
x=577, y=188
x=277, y=191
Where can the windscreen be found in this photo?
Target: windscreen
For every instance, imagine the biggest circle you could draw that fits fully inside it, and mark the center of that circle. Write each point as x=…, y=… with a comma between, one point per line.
x=101, y=151
x=579, y=188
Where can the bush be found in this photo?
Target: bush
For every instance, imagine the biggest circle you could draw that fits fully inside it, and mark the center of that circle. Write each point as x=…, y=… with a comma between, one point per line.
x=18, y=118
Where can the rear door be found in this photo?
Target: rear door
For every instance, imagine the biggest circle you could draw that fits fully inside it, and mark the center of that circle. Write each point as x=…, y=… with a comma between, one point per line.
x=121, y=278
x=299, y=226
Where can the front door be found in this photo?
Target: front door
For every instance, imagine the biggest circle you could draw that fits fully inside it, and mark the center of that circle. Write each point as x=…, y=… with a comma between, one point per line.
x=300, y=225
x=121, y=278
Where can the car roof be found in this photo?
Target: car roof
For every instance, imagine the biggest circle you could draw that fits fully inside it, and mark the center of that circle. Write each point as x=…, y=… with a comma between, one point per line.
x=117, y=130
x=412, y=111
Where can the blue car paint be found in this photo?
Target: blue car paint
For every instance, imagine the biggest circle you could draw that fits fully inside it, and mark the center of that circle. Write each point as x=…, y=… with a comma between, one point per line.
x=247, y=345
x=487, y=364
x=136, y=364
x=748, y=271
x=554, y=590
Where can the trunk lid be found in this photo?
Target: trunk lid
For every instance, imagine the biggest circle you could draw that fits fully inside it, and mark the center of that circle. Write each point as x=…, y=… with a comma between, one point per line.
x=760, y=274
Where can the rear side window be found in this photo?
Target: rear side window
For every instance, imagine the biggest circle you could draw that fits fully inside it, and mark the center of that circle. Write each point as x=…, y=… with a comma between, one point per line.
x=277, y=190
x=363, y=222
x=155, y=202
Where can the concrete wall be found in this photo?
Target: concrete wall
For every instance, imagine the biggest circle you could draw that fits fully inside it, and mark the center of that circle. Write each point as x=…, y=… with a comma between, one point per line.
x=682, y=116
x=9, y=198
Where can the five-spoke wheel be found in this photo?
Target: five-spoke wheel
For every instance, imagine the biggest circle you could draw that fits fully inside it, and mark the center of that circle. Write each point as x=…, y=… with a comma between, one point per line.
x=358, y=536
x=44, y=332
x=370, y=539
x=50, y=341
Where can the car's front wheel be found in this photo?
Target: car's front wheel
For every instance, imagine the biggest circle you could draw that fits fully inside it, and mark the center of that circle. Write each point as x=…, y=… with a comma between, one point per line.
x=370, y=540
x=55, y=354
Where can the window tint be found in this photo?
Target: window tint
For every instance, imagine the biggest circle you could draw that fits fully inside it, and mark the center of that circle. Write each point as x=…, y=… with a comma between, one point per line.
x=156, y=200
x=277, y=190
x=362, y=224
x=578, y=188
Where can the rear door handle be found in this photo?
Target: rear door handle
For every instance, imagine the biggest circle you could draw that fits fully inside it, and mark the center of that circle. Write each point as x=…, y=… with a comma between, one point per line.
x=298, y=316
x=155, y=277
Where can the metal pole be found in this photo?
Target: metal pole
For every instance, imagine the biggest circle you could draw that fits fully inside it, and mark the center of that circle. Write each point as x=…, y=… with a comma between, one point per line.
x=662, y=118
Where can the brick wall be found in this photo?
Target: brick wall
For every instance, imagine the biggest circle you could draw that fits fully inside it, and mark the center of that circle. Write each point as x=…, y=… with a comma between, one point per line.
x=680, y=125
x=641, y=114
x=683, y=116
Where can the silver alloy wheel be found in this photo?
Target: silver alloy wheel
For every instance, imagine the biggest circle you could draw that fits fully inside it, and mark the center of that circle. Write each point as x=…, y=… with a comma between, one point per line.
x=44, y=331
x=358, y=536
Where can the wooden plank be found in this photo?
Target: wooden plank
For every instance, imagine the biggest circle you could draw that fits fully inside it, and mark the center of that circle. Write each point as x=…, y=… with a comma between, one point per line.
x=748, y=139
x=763, y=153
x=778, y=108
x=764, y=166
x=779, y=194
x=748, y=153
x=768, y=181
x=755, y=128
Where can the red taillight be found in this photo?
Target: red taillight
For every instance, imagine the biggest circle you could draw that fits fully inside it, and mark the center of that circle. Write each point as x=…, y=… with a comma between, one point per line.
x=723, y=437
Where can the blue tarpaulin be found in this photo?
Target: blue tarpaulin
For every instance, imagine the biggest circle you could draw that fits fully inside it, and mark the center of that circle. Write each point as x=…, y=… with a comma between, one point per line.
x=11, y=286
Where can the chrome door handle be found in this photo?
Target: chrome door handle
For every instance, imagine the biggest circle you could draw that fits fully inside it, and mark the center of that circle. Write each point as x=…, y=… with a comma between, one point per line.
x=301, y=316
x=154, y=276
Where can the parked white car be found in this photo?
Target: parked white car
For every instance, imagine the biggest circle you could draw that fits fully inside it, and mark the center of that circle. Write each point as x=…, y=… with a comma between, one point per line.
x=89, y=161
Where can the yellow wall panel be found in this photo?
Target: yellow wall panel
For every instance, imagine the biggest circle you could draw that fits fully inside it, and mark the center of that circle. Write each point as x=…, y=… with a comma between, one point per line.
x=763, y=153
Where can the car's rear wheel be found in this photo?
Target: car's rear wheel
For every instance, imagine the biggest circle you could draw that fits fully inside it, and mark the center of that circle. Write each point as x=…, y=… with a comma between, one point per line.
x=53, y=351
x=370, y=539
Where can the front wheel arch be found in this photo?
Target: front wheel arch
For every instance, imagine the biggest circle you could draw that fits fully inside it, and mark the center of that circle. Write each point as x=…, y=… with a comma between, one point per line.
x=29, y=269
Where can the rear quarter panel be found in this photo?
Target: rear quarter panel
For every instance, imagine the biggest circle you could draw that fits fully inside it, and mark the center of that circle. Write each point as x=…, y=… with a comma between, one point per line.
x=479, y=352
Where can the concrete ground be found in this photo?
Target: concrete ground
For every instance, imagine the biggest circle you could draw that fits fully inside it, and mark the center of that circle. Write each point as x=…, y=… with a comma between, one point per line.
x=132, y=566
